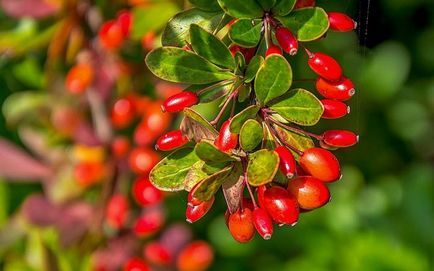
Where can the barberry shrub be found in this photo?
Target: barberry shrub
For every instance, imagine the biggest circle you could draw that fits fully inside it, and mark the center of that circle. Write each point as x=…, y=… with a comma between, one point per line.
x=239, y=52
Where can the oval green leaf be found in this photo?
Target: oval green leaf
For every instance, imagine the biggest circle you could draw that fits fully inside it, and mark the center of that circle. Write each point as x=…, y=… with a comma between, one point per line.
x=209, y=5
x=210, y=185
x=243, y=32
x=21, y=105
x=299, y=141
x=210, y=47
x=169, y=174
x=266, y=4
x=251, y=135
x=307, y=23
x=239, y=119
x=262, y=167
x=252, y=69
x=176, y=33
x=244, y=92
x=196, y=127
x=283, y=7
x=299, y=106
x=273, y=79
x=179, y=66
x=209, y=153
x=248, y=9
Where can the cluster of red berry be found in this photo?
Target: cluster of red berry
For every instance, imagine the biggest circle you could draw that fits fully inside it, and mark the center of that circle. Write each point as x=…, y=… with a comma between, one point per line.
x=280, y=197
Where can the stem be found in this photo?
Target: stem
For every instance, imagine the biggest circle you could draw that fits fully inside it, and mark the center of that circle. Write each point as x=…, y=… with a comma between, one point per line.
x=267, y=31
x=223, y=109
x=273, y=132
x=294, y=129
x=246, y=182
x=219, y=84
x=99, y=116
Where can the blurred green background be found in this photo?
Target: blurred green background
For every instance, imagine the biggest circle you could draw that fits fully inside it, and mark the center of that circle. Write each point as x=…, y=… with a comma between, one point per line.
x=381, y=216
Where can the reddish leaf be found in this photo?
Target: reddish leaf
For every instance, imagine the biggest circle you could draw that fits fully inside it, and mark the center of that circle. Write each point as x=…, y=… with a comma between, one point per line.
x=18, y=165
x=40, y=211
x=29, y=8
x=175, y=237
x=118, y=251
x=73, y=222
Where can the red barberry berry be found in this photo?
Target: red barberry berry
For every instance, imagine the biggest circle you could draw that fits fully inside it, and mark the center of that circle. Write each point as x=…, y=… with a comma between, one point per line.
x=142, y=160
x=334, y=109
x=273, y=49
x=145, y=193
x=125, y=21
x=304, y=3
x=117, y=211
x=287, y=161
x=281, y=206
x=195, y=213
x=122, y=113
x=226, y=141
x=340, y=138
x=179, y=101
x=325, y=66
x=136, y=264
x=263, y=223
x=241, y=225
x=111, y=35
x=341, y=22
x=79, y=78
x=196, y=256
x=157, y=254
x=287, y=40
x=341, y=90
x=171, y=141
x=149, y=223
x=321, y=164
x=310, y=192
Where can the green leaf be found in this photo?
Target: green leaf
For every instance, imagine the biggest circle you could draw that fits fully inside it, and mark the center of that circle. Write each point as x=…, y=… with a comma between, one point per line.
x=248, y=9
x=283, y=7
x=179, y=66
x=195, y=175
x=246, y=32
x=299, y=141
x=239, y=119
x=307, y=23
x=252, y=69
x=266, y=4
x=195, y=127
x=169, y=173
x=210, y=47
x=209, y=5
x=213, y=92
x=262, y=167
x=151, y=18
x=210, y=185
x=299, y=106
x=273, y=79
x=29, y=72
x=209, y=153
x=251, y=135
x=244, y=92
x=240, y=60
x=177, y=29
x=24, y=104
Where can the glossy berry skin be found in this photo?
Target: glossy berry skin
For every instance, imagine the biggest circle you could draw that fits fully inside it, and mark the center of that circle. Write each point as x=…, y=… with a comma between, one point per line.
x=325, y=66
x=334, y=109
x=263, y=223
x=117, y=211
x=88, y=173
x=122, y=113
x=157, y=254
x=111, y=35
x=136, y=264
x=171, y=140
x=341, y=90
x=145, y=193
x=79, y=78
x=142, y=159
x=273, y=49
x=341, y=22
x=192, y=200
x=321, y=164
x=120, y=146
x=287, y=161
x=261, y=192
x=281, y=206
x=148, y=223
x=340, y=138
x=310, y=192
x=226, y=141
x=241, y=226
x=287, y=40
x=195, y=213
x=124, y=20
x=179, y=101
x=155, y=121
x=196, y=256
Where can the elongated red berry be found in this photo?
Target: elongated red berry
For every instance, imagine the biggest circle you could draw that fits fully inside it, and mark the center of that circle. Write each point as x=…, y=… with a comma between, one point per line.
x=149, y=223
x=122, y=113
x=226, y=141
x=196, y=256
x=321, y=164
x=325, y=66
x=281, y=206
x=79, y=78
x=157, y=254
x=304, y=3
x=241, y=226
x=195, y=213
x=111, y=35
x=145, y=193
x=142, y=159
x=341, y=22
x=263, y=223
x=179, y=101
x=287, y=161
x=340, y=138
x=261, y=192
x=341, y=90
x=136, y=264
x=117, y=211
x=124, y=20
x=171, y=140
x=287, y=40
x=273, y=49
x=310, y=192
x=334, y=109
